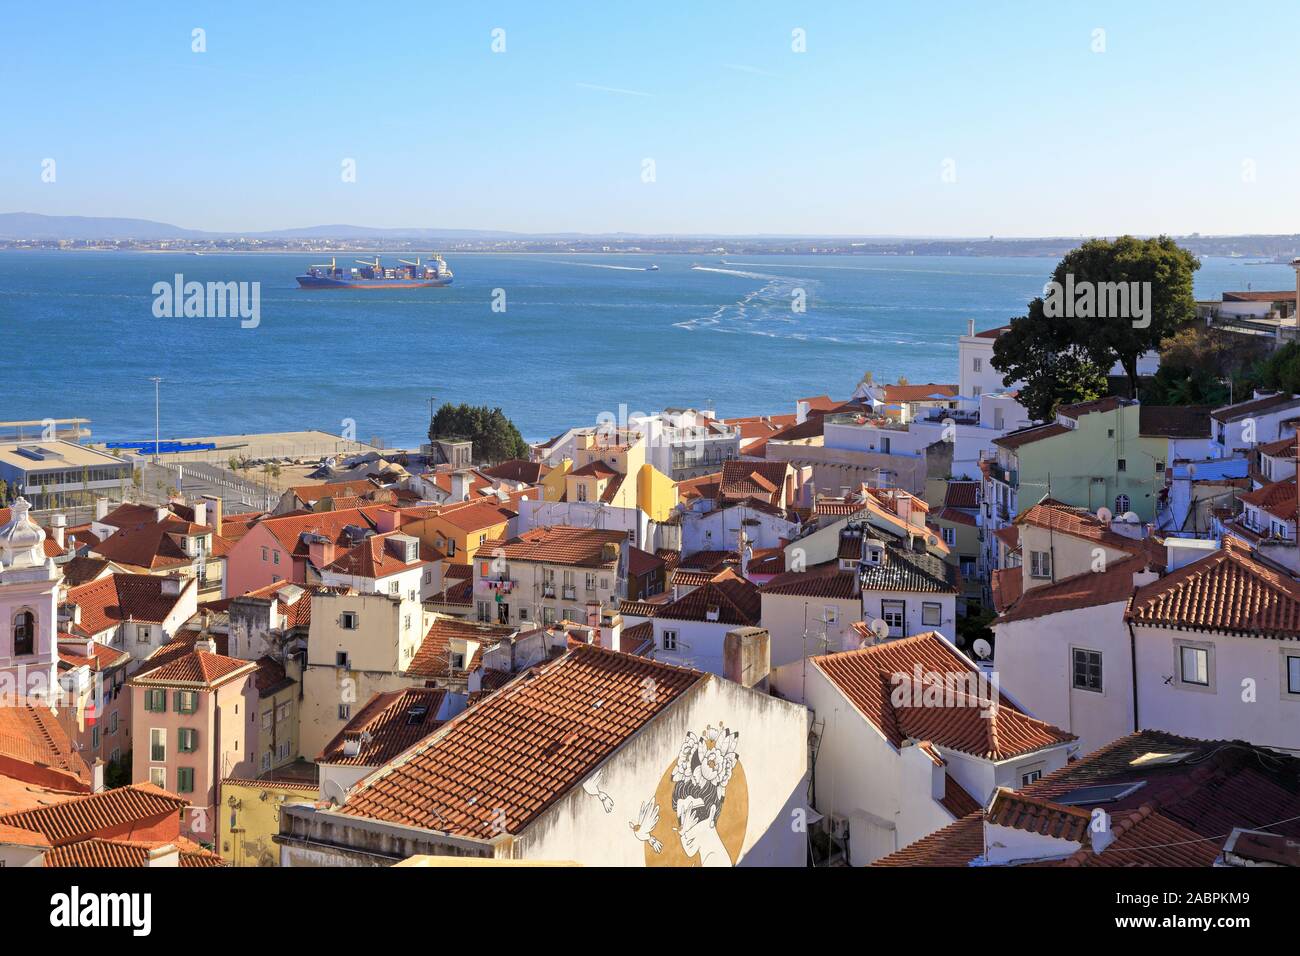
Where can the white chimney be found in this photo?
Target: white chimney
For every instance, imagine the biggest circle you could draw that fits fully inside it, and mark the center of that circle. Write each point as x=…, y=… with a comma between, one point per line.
x=970, y=328
x=59, y=525
x=460, y=486
x=207, y=646
x=97, y=776
x=201, y=512
x=165, y=855
x=160, y=513
x=101, y=509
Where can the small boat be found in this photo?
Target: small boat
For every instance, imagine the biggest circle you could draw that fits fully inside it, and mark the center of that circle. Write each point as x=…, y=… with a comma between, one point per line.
x=652, y=268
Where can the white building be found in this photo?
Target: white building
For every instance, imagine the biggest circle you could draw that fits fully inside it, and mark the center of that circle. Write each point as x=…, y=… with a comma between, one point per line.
x=600, y=759
x=911, y=736
x=29, y=586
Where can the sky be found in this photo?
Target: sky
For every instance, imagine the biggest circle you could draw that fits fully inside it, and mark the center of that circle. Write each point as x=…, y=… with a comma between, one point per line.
x=920, y=119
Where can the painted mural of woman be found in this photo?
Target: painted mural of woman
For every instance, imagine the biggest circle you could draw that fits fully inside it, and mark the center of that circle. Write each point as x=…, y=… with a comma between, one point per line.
x=704, y=768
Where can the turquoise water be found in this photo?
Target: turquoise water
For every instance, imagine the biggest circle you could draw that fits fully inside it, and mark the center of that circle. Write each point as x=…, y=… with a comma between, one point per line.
x=580, y=336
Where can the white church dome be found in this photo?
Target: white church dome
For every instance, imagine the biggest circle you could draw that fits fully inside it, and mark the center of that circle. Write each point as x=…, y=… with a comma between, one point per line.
x=21, y=539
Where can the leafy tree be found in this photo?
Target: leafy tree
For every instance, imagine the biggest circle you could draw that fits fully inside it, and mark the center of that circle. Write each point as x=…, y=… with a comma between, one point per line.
x=1071, y=337
x=1281, y=370
x=495, y=437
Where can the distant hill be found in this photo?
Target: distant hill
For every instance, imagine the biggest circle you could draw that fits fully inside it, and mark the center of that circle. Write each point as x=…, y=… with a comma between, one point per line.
x=30, y=225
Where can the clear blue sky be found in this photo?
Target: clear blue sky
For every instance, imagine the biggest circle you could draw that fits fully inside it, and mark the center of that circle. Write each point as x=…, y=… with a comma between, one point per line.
x=1048, y=137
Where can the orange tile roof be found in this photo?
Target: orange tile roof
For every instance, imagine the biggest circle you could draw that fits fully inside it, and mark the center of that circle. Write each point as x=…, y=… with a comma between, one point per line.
x=735, y=600
x=194, y=668
x=822, y=581
x=1278, y=499
x=1282, y=448
x=956, y=799
x=154, y=545
x=1033, y=433
x=502, y=762
x=1089, y=589
x=1228, y=591
x=1078, y=522
x=98, y=852
x=918, y=393
x=764, y=480
x=1079, y=409
x=1020, y=811
x=1007, y=585
x=704, y=486
x=957, y=517
x=388, y=724
x=869, y=677
x=85, y=815
x=560, y=544
x=31, y=734
x=477, y=515
x=373, y=559
x=433, y=657
x=289, y=529
x=962, y=494
x=107, y=602
x=310, y=494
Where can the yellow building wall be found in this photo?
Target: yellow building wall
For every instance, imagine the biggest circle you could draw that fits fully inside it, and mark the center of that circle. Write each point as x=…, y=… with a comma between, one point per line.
x=435, y=531
x=656, y=493
x=248, y=816
x=553, y=484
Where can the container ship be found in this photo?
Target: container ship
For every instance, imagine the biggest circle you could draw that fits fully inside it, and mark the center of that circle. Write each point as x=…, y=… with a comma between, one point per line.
x=373, y=275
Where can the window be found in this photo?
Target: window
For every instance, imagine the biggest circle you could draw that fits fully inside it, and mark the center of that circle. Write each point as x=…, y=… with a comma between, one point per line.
x=112, y=722
x=158, y=777
x=24, y=633
x=349, y=620
x=1121, y=504
x=184, y=779
x=894, y=613
x=275, y=557
x=157, y=744
x=1121, y=464
x=187, y=740
x=1291, y=664
x=949, y=536
x=1194, y=665
x=483, y=610
x=548, y=615
x=282, y=713
x=345, y=711
x=94, y=737
x=582, y=491
x=187, y=701
x=142, y=633
x=523, y=614
x=976, y=391
x=268, y=718
x=341, y=659
x=1040, y=564
x=266, y=760
x=1031, y=776
x=1087, y=669
x=977, y=364
x=669, y=640
x=394, y=587
x=155, y=701
x=931, y=614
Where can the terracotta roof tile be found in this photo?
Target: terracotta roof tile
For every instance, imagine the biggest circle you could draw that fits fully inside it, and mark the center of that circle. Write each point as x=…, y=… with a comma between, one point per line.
x=111, y=600
x=505, y=760
x=195, y=667
x=433, y=657
x=560, y=544
x=869, y=677
x=962, y=494
x=31, y=734
x=388, y=724
x=98, y=852
x=84, y=815
x=1089, y=589
x=727, y=598
x=1228, y=590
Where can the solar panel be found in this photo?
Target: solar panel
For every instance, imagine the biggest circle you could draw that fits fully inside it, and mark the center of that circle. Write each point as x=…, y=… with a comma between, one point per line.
x=1102, y=793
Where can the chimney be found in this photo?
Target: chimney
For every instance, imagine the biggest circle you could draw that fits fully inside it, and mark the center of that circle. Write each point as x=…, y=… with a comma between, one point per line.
x=970, y=328
x=800, y=412
x=611, y=630
x=59, y=525
x=388, y=519
x=101, y=509
x=171, y=586
x=165, y=855
x=746, y=656
x=160, y=513
x=201, y=512
x=207, y=646
x=593, y=614
x=214, y=511
x=460, y=486
x=97, y=776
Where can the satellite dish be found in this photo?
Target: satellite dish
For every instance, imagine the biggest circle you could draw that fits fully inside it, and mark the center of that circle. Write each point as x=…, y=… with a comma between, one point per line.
x=879, y=629
x=1131, y=517
x=1191, y=471
x=983, y=649
x=1105, y=514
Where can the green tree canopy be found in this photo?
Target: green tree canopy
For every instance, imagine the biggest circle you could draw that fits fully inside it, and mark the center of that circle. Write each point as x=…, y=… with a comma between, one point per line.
x=495, y=437
x=1110, y=301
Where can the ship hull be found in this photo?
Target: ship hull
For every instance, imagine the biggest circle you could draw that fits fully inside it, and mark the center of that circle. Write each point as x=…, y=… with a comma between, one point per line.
x=324, y=282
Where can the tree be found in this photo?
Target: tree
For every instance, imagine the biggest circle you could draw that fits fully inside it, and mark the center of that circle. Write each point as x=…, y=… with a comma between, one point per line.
x=1109, y=302
x=495, y=437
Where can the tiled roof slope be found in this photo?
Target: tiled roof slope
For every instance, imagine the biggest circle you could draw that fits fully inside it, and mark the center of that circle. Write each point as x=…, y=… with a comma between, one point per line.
x=737, y=601
x=1089, y=589
x=503, y=761
x=1228, y=590
x=80, y=816
x=32, y=734
x=97, y=852
x=1180, y=815
x=867, y=677
x=388, y=724
x=119, y=597
x=905, y=570
x=559, y=544
x=197, y=668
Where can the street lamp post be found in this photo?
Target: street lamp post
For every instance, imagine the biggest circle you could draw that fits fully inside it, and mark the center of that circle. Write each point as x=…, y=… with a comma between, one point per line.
x=156, y=380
